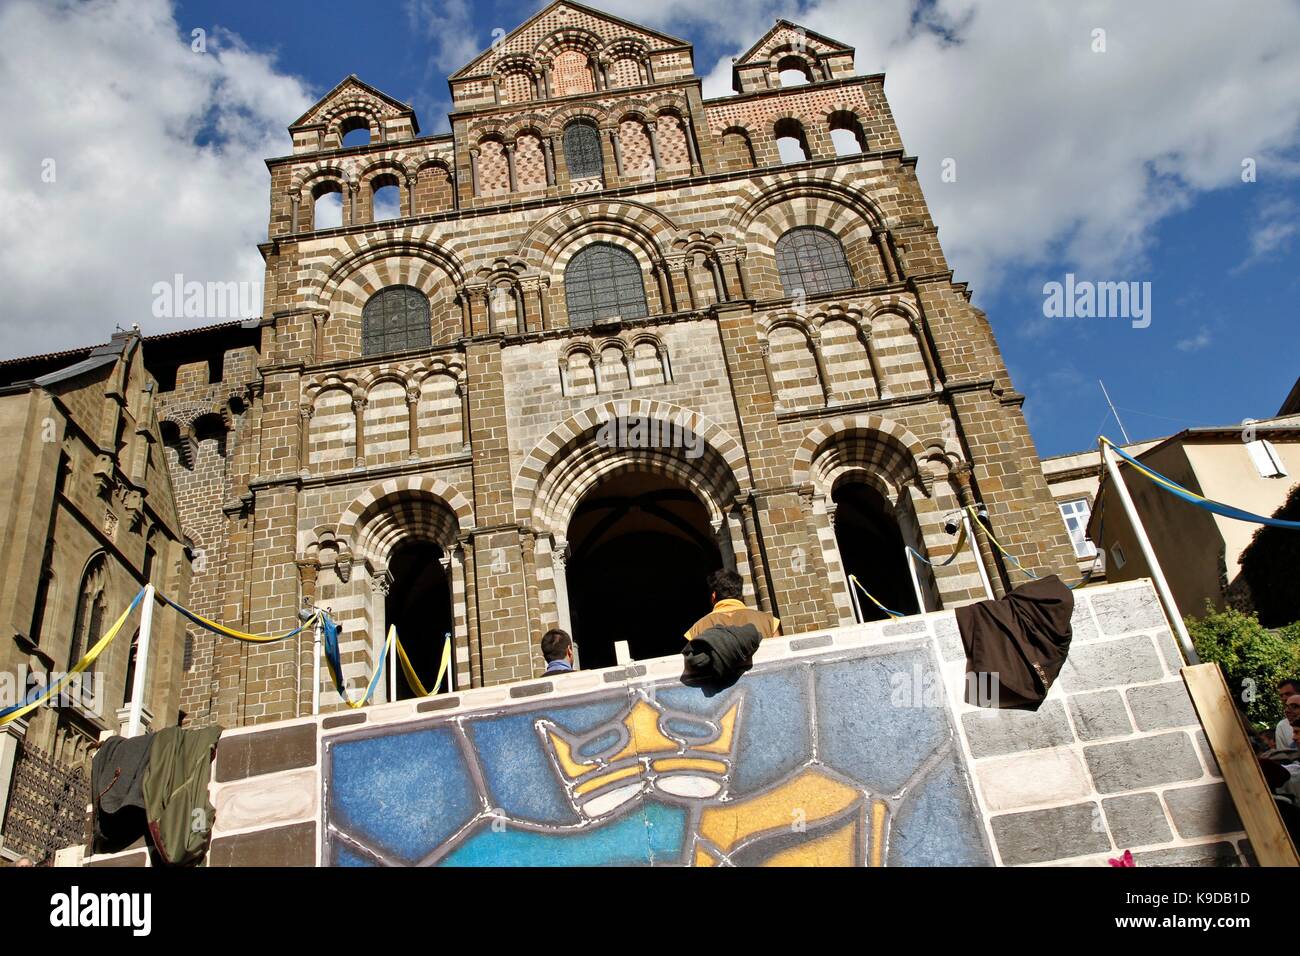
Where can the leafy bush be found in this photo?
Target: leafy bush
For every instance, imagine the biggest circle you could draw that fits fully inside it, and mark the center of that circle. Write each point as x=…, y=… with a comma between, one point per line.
x=1253, y=658
x=1270, y=564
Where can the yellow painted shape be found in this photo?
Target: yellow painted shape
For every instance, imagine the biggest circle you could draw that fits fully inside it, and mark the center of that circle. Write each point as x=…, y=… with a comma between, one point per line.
x=689, y=763
x=564, y=753
x=643, y=733
x=878, y=810
x=834, y=849
x=702, y=858
x=814, y=794
x=597, y=782
x=728, y=728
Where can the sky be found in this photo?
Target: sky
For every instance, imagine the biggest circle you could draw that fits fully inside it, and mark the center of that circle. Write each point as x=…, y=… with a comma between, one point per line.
x=1154, y=143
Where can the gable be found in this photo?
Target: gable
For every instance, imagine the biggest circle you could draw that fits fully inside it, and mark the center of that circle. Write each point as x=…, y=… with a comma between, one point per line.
x=353, y=94
x=786, y=34
x=575, y=20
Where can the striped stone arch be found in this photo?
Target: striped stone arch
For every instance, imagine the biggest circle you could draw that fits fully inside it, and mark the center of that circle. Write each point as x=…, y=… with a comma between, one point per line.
x=389, y=162
x=417, y=506
x=305, y=179
x=773, y=205
x=408, y=243
x=550, y=243
x=570, y=460
x=563, y=117
x=864, y=444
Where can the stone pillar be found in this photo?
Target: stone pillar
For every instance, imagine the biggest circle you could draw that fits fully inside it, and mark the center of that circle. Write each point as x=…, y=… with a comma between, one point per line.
x=528, y=542
x=692, y=147
x=462, y=389
x=466, y=312
x=686, y=277
x=305, y=413
x=923, y=343
x=318, y=335
x=560, y=575
x=465, y=558
x=412, y=423
x=719, y=280
x=304, y=641
x=822, y=375
x=473, y=172
x=886, y=255
x=757, y=567
x=616, y=150
x=359, y=414
x=816, y=558
x=11, y=737
x=663, y=283
x=521, y=314
x=869, y=340
x=509, y=149
x=653, y=134
x=765, y=348
x=548, y=154
x=410, y=195
x=295, y=198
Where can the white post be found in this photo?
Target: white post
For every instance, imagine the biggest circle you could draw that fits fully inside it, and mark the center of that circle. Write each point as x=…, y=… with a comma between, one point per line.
x=622, y=655
x=1148, y=552
x=975, y=552
x=857, y=605
x=315, y=665
x=141, y=663
x=392, y=670
x=916, y=583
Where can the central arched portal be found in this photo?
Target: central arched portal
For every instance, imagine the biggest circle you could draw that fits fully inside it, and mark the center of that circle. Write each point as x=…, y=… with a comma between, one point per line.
x=640, y=549
x=419, y=604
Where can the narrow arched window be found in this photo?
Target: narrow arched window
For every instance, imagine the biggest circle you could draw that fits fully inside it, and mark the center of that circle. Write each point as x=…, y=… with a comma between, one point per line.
x=603, y=281
x=394, y=320
x=582, y=151
x=88, y=625
x=811, y=259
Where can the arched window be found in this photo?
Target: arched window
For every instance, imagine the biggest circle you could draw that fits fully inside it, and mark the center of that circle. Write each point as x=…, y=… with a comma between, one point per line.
x=394, y=320
x=88, y=625
x=812, y=259
x=791, y=143
x=603, y=281
x=582, y=151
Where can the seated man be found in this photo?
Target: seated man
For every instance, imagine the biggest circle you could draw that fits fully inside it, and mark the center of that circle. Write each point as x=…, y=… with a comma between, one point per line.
x=726, y=593
x=1290, y=712
x=557, y=648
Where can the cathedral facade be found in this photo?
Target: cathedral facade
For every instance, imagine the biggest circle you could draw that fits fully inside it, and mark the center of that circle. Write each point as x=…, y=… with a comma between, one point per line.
x=552, y=368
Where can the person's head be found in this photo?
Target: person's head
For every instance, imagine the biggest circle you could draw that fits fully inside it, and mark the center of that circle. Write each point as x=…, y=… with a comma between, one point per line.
x=557, y=645
x=1295, y=731
x=1291, y=708
x=724, y=584
x=1288, y=688
x=24, y=861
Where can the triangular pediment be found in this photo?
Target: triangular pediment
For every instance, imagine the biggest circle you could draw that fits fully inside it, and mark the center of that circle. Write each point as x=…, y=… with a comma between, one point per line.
x=352, y=91
x=785, y=34
x=566, y=16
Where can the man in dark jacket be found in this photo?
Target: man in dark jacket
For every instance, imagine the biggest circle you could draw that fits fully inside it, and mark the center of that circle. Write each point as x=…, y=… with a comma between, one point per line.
x=557, y=649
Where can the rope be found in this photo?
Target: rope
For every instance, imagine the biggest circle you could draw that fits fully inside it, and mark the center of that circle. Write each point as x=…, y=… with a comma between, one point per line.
x=956, y=550
x=854, y=579
x=222, y=629
x=17, y=710
x=330, y=633
x=1191, y=497
x=975, y=516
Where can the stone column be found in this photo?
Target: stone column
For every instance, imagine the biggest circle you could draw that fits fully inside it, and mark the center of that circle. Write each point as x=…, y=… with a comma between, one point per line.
x=410, y=195
x=757, y=567
x=664, y=286
x=509, y=149
x=528, y=542
x=560, y=572
x=318, y=335
x=653, y=134
x=466, y=311
x=473, y=171
x=719, y=280
x=923, y=343
x=822, y=375
x=358, y=414
x=521, y=314
x=465, y=556
x=765, y=349
x=11, y=737
x=462, y=389
x=869, y=340
x=616, y=149
x=548, y=154
x=692, y=148
x=487, y=310
x=305, y=413
x=295, y=198
x=886, y=255
x=686, y=277
x=412, y=422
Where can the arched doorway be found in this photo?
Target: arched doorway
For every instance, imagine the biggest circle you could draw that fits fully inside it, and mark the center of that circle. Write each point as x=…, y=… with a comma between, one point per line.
x=419, y=605
x=871, y=548
x=640, y=549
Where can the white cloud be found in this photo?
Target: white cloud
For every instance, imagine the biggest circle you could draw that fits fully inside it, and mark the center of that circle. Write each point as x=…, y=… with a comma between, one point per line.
x=1062, y=153
x=1195, y=343
x=157, y=157
x=1272, y=231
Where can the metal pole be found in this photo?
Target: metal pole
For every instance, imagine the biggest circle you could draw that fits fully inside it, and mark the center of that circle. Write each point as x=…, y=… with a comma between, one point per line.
x=975, y=552
x=315, y=665
x=1148, y=552
x=1113, y=412
x=141, y=663
x=916, y=583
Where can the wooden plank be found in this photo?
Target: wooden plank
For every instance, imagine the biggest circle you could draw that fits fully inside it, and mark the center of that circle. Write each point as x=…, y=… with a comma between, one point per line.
x=1226, y=733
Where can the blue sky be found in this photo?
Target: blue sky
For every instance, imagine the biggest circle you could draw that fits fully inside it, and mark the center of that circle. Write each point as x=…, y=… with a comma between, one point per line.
x=1114, y=165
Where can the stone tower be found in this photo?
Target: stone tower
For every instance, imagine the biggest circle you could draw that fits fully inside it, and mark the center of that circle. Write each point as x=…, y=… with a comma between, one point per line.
x=750, y=288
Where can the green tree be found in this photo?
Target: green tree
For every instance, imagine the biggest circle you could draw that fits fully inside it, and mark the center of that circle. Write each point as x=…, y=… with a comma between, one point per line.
x=1269, y=565
x=1253, y=658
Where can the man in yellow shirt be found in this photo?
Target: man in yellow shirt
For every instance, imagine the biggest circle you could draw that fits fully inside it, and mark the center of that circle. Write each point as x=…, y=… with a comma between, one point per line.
x=729, y=610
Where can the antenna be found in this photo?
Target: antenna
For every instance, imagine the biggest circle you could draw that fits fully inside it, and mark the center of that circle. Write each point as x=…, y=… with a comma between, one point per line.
x=1127, y=440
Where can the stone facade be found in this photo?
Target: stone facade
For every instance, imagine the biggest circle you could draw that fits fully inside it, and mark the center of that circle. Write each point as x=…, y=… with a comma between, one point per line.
x=307, y=465
x=90, y=516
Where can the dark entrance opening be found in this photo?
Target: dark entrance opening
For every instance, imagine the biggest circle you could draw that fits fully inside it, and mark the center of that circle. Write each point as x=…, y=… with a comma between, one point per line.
x=641, y=548
x=419, y=604
x=871, y=547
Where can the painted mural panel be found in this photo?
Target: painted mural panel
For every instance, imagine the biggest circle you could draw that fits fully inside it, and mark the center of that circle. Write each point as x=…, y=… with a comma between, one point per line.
x=814, y=761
